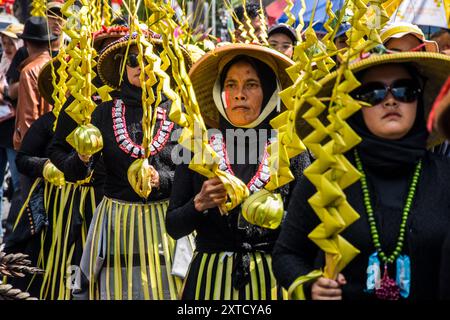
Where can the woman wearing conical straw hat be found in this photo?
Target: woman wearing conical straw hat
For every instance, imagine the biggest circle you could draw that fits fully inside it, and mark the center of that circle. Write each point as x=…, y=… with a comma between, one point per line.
x=237, y=89
x=128, y=254
x=402, y=197
x=50, y=224
x=65, y=233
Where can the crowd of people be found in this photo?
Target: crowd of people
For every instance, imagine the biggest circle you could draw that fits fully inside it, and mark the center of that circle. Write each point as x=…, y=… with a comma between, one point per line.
x=97, y=237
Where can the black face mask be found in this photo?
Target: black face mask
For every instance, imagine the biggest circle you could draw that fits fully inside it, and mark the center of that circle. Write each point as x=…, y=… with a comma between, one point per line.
x=130, y=94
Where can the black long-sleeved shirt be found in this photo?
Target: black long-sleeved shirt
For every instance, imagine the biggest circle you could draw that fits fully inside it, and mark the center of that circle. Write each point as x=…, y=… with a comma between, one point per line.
x=117, y=162
x=215, y=232
x=60, y=150
x=444, y=285
x=429, y=219
x=33, y=153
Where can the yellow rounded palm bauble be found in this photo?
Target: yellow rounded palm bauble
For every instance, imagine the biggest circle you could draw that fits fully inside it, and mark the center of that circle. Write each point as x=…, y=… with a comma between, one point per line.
x=53, y=175
x=87, y=139
x=264, y=209
x=140, y=176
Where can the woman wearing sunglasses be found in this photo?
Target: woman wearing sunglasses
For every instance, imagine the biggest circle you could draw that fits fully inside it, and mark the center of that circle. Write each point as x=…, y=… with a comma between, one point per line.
x=402, y=197
x=128, y=254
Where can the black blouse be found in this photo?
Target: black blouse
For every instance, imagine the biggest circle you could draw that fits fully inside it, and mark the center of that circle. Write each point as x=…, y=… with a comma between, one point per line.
x=60, y=150
x=33, y=153
x=295, y=254
x=215, y=232
x=444, y=289
x=117, y=162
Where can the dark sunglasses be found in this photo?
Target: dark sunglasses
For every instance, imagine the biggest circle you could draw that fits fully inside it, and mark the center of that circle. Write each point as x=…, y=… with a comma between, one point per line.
x=404, y=90
x=132, y=60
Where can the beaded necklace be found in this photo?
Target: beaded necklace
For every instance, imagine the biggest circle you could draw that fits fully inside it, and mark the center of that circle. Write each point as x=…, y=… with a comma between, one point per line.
x=262, y=176
x=126, y=144
x=387, y=289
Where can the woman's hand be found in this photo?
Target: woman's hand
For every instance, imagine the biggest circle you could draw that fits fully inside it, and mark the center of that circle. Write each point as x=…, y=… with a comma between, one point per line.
x=155, y=178
x=327, y=289
x=211, y=195
x=84, y=158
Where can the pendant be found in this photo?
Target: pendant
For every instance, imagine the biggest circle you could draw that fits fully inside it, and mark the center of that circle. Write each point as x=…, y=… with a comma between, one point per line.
x=389, y=289
x=373, y=273
x=403, y=277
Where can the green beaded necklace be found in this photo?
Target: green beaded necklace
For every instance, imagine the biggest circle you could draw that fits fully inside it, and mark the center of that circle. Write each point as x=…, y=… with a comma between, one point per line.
x=373, y=229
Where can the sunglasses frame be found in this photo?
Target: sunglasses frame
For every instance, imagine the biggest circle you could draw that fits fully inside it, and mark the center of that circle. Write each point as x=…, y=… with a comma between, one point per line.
x=387, y=89
x=128, y=60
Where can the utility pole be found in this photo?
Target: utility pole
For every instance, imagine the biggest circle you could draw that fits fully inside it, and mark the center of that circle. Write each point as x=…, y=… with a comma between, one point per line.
x=213, y=17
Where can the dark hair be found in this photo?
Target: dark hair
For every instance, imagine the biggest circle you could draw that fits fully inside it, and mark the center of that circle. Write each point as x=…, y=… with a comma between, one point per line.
x=252, y=9
x=265, y=74
x=439, y=33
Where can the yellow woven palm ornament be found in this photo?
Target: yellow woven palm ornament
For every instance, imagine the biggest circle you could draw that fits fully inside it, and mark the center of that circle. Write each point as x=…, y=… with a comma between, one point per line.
x=86, y=139
x=323, y=129
x=53, y=174
x=139, y=176
x=39, y=8
x=264, y=209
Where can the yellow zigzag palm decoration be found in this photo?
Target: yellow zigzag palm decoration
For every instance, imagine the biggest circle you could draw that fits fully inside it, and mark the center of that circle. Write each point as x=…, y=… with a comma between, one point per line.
x=95, y=8
x=194, y=136
x=85, y=139
x=106, y=13
x=262, y=18
x=60, y=87
x=140, y=172
x=39, y=8
x=366, y=22
x=331, y=172
x=241, y=27
x=249, y=25
x=288, y=144
x=288, y=12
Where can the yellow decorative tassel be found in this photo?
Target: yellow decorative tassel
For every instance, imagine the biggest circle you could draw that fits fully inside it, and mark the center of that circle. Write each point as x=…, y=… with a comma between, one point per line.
x=106, y=13
x=288, y=11
x=139, y=176
x=330, y=172
x=39, y=8
x=86, y=139
x=53, y=174
x=194, y=135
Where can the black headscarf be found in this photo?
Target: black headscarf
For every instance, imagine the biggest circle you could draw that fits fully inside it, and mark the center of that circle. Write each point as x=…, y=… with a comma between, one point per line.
x=130, y=94
x=267, y=78
x=249, y=237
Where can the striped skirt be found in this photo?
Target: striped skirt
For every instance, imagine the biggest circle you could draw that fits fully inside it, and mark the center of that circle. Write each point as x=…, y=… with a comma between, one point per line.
x=210, y=278
x=128, y=254
x=58, y=245
x=68, y=236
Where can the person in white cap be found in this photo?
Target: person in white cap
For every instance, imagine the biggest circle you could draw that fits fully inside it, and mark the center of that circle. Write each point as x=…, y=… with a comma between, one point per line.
x=405, y=36
x=282, y=38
